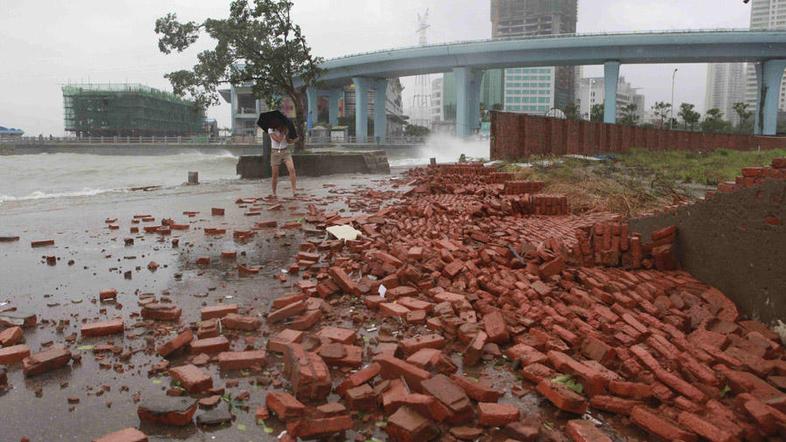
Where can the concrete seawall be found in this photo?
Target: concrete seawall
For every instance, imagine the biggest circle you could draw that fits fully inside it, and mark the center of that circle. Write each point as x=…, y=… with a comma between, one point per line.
x=170, y=149
x=317, y=164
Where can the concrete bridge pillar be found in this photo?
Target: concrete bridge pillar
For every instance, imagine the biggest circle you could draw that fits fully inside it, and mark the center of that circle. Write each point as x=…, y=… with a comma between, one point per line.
x=333, y=98
x=380, y=116
x=467, y=100
x=770, y=75
x=361, y=108
x=311, y=98
x=611, y=75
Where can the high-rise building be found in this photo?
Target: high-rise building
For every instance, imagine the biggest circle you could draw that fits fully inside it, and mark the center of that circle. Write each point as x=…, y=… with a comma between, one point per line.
x=725, y=86
x=765, y=15
x=591, y=92
x=535, y=90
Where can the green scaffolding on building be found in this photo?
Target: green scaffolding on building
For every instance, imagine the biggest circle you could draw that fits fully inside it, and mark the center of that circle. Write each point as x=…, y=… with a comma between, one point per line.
x=128, y=110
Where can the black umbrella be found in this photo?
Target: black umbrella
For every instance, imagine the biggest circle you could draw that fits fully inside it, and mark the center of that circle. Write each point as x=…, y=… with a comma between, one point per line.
x=274, y=119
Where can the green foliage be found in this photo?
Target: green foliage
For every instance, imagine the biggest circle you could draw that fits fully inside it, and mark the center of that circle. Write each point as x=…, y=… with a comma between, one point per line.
x=568, y=381
x=629, y=115
x=689, y=116
x=571, y=111
x=707, y=168
x=714, y=122
x=744, y=113
x=258, y=44
x=662, y=111
x=596, y=112
x=413, y=130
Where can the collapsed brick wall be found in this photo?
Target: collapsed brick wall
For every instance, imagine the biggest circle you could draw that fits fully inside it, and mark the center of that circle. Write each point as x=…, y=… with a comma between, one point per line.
x=515, y=136
x=736, y=239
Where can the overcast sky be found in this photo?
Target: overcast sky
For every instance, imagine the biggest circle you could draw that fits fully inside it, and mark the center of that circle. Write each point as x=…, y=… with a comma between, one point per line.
x=44, y=44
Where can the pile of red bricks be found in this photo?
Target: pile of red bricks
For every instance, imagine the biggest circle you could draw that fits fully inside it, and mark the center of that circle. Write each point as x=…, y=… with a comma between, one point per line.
x=523, y=187
x=658, y=347
x=612, y=244
x=753, y=176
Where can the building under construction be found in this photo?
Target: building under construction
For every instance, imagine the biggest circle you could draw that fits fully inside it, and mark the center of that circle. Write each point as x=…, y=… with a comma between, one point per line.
x=128, y=110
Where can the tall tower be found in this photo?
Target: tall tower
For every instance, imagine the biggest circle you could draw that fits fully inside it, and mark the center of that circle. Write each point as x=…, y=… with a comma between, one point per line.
x=766, y=15
x=725, y=87
x=420, y=110
x=535, y=90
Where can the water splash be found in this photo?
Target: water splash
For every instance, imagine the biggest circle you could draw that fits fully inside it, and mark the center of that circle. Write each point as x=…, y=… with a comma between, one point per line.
x=446, y=149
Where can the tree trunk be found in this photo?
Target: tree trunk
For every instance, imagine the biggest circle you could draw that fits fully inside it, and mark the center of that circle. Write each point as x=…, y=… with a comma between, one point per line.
x=300, y=120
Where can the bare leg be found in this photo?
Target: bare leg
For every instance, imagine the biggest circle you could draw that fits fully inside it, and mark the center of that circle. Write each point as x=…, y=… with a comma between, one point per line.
x=292, y=176
x=274, y=178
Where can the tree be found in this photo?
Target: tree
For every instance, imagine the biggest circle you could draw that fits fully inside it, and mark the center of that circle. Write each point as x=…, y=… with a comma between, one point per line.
x=714, y=122
x=689, y=116
x=571, y=111
x=744, y=114
x=596, y=112
x=662, y=110
x=258, y=44
x=413, y=130
x=629, y=115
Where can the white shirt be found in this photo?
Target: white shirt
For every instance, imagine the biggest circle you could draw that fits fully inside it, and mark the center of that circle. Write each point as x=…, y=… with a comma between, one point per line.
x=275, y=144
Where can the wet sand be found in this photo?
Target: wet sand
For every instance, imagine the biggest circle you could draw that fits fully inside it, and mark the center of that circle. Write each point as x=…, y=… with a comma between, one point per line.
x=38, y=407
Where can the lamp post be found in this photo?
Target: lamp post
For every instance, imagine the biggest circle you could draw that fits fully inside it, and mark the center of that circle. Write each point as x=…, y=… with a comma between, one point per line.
x=671, y=117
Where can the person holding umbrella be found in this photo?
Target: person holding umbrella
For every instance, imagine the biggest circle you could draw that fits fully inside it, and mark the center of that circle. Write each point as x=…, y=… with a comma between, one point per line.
x=280, y=129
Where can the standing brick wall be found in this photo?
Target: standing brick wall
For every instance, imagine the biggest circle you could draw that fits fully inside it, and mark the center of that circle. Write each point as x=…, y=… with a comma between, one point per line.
x=516, y=136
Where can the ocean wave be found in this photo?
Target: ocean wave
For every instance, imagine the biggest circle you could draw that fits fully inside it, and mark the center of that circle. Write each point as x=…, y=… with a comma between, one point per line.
x=38, y=195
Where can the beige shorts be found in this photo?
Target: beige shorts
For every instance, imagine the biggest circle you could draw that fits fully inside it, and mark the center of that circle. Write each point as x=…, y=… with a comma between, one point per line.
x=278, y=156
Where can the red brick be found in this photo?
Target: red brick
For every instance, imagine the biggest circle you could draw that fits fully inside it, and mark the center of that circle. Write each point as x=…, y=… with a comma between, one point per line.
x=11, y=336
x=633, y=390
x=176, y=343
x=239, y=360
x=479, y=391
x=393, y=310
x=526, y=354
x=307, y=372
x=107, y=294
x=497, y=415
x=415, y=304
x=585, y=431
x=283, y=301
x=192, y=378
x=537, y=372
x=411, y=345
x=597, y=350
x=46, y=360
x=285, y=337
x=474, y=350
x=454, y=268
x=104, y=328
x=393, y=368
x=306, y=320
x=161, y=312
x=337, y=334
x=652, y=422
x=406, y=425
x=209, y=345
x=285, y=312
x=613, y=404
x=359, y=377
x=319, y=427
x=451, y=395
x=284, y=405
x=361, y=398
x=704, y=428
x=343, y=280
x=126, y=435
x=233, y=321
x=217, y=311
x=562, y=397
x=496, y=329
x=13, y=354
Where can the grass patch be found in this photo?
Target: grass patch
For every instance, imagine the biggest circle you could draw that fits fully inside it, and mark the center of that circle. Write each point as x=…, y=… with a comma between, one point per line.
x=639, y=181
x=708, y=168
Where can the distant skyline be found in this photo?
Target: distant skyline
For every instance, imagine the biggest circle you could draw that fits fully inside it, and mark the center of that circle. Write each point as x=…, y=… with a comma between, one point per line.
x=46, y=44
